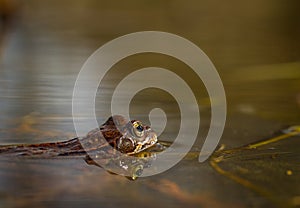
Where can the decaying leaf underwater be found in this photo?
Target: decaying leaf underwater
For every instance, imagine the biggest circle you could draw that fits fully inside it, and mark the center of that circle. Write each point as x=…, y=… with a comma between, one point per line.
x=269, y=167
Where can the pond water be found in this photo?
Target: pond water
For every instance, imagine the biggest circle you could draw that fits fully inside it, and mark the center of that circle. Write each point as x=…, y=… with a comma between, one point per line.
x=254, y=46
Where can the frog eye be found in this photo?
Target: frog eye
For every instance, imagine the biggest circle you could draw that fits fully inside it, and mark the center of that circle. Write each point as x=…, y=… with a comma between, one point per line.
x=138, y=129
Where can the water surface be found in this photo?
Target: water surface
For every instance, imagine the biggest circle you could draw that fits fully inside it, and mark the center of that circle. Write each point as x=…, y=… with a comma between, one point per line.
x=254, y=46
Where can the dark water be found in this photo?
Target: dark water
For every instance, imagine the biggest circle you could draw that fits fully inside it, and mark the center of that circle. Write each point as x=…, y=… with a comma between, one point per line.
x=254, y=46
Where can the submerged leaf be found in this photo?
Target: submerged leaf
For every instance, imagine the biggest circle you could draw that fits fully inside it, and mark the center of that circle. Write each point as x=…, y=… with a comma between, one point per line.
x=270, y=167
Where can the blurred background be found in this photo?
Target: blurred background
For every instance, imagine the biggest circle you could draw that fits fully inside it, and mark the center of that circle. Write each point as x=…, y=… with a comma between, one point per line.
x=254, y=45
